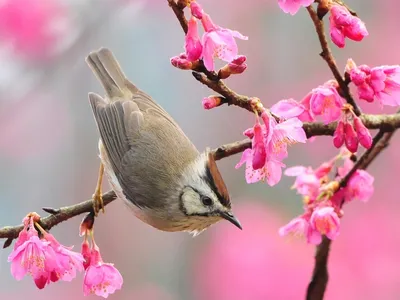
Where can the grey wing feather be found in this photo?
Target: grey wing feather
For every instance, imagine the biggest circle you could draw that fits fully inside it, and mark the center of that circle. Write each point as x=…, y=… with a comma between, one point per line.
x=147, y=150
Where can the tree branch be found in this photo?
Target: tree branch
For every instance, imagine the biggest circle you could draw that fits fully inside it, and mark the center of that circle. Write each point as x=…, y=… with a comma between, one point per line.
x=317, y=286
x=65, y=213
x=326, y=54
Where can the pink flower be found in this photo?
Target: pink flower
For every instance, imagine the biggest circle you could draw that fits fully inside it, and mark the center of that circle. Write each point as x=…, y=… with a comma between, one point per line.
x=271, y=172
x=363, y=134
x=301, y=227
x=193, y=45
x=325, y=221
x=350, y=137
x=290, y=108
x=286, y=133
x=46, y=260
x=326, y=102
x=196, y=10
x=211, y=102
x=66, y=262
x=307, y=183
x=28, y=257
x=218, y=42
x=101, y=278
x=343, y=24
x=293, y=6
x=382, y=83
x=275, y=138
x=360, y=186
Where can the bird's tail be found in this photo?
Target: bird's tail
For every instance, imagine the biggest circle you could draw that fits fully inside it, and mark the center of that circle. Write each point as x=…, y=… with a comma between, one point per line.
x=107, y=69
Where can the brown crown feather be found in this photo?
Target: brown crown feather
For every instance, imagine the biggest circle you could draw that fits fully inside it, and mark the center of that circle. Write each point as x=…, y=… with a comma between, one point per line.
x=214, y=179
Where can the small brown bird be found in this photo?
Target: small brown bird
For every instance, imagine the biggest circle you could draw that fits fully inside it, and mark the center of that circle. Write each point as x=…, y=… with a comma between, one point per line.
x=149, y=161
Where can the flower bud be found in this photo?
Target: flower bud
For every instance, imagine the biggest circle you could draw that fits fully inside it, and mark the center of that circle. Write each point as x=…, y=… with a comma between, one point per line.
x=363, y=134
x=211, y=102
x=338, y=135
x=181, y=63
x=350, y=138
x=196, y=10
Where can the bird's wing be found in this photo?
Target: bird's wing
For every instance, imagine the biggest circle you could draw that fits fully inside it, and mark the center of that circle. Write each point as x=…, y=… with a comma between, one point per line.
x=146, y=152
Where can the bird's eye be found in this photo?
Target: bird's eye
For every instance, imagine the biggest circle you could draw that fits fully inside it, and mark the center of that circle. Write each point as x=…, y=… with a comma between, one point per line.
x=206, y=201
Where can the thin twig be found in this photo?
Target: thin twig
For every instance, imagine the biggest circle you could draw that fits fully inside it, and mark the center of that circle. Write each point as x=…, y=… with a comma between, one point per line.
x=326, y=54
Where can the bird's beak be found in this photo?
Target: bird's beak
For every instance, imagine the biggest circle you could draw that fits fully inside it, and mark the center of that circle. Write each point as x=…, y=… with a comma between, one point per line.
x=231, y=218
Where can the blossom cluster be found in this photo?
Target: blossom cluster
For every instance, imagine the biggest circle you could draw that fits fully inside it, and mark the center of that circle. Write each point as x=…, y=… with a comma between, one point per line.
x=281, y=126
x=269, y=147
x=41, y=256
x=216, y=42
x=323, y=199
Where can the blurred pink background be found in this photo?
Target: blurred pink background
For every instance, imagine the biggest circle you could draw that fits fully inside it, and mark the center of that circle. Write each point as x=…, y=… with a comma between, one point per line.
x=48, y=149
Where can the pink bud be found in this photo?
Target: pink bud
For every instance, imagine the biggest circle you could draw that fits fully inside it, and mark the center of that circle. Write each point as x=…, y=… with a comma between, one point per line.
x=338, y=135
x=196, y=10
x=193, y=45
x=211, y=102
x=364, y=136
x=350, y=137
x=181, y=63
x=238, y=60
x=237, y=69
x=258, y=146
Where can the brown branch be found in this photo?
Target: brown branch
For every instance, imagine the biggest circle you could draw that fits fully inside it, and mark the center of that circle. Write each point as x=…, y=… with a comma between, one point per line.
x=180, y=15
x=317, y=286
x=326, y=54
x=65, y=213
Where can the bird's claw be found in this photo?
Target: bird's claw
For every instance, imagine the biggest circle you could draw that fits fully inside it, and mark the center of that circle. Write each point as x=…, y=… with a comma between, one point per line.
x=98, y=203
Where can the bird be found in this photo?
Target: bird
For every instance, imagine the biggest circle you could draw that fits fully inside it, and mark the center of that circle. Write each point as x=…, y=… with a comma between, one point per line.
x=149, y=161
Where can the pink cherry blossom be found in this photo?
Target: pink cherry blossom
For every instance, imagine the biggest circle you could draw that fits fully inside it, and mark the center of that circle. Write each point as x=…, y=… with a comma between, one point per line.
x=293, y=6
x=343, y=24
x=381, y=83
x=360, y=186
x=271, y=172
x=290, y=108
x=193, y=44
x=218, y=42
x=326, y=102
x=28, y=257
x=326, y=221
x=68, y=261
x=101, y=278
x=307, y=183
x=300, y=227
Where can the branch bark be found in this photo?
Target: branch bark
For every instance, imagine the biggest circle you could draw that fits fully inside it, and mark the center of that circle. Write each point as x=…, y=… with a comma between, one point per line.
x=65, y=213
